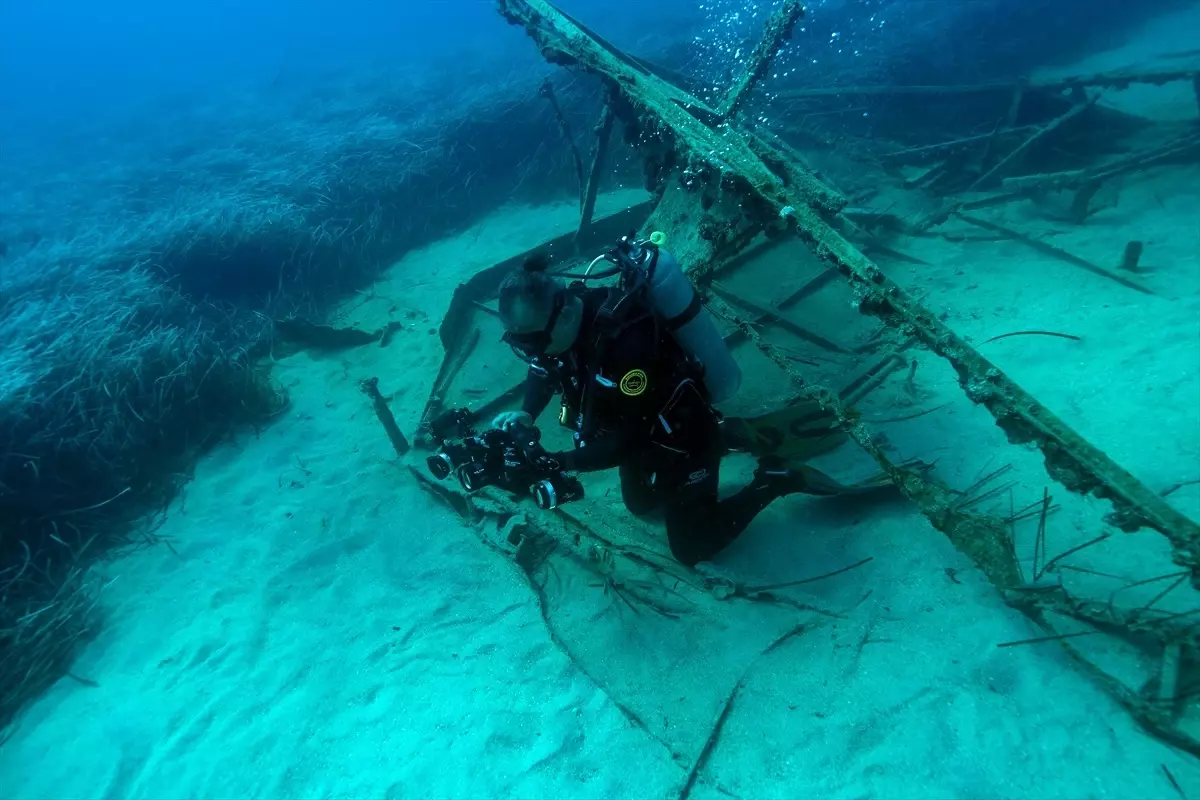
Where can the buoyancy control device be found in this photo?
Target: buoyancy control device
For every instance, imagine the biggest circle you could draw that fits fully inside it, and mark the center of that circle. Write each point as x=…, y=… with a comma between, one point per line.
x=646, y=268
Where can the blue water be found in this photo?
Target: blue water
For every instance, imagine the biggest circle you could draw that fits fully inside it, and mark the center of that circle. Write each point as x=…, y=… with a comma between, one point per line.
x=66, y=61
x=175, y=176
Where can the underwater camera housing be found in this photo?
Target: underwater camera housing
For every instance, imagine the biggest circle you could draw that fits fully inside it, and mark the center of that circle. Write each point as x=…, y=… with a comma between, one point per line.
x=512, y=459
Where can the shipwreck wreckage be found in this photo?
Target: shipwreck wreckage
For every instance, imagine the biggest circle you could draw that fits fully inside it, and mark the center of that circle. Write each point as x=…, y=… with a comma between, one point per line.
x=725, y=192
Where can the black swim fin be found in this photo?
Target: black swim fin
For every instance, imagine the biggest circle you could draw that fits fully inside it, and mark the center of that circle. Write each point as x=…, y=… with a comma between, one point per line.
x=793, y=477
x=794, y=433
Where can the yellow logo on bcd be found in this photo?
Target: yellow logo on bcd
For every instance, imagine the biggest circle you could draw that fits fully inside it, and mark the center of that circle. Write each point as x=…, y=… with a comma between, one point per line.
x=634, y=383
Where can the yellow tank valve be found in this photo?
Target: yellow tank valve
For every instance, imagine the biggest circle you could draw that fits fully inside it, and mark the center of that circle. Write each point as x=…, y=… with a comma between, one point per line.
x=658, y=238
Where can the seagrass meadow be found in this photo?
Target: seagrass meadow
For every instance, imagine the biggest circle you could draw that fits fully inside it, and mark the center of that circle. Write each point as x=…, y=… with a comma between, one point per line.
x=138, y=313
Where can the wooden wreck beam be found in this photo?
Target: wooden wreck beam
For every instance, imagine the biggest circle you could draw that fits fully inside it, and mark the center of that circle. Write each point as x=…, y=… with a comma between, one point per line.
x=1057, y=252
x=930, y=150
x=805, y=204
x=1118, y=79
x=564, y=42
x=778, y=30
x=764, y=314
x=1015, y=189
x=592, y=188
x=805, y=289
x=1138, y=160
x=547, y=91
x=1014, y=157
x=1070, y=459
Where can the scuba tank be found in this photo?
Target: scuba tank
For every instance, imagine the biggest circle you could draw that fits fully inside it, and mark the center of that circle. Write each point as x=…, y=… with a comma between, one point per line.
x=646, y=266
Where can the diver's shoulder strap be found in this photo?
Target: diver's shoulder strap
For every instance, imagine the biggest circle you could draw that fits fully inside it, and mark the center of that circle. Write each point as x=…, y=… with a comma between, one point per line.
x=618, y=312
x=615, y=315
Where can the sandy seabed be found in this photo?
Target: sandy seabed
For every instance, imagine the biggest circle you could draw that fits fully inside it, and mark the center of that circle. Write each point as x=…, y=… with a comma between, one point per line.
x=322, y=628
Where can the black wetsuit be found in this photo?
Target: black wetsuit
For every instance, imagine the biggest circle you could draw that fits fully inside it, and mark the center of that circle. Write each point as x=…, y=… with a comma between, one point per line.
x=636, y=402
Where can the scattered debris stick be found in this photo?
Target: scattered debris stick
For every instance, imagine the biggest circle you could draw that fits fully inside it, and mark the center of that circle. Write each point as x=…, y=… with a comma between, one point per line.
x=1070, y=336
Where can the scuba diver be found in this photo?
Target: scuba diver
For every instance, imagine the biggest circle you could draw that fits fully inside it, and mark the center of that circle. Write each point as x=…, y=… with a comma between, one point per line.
x=639, y=367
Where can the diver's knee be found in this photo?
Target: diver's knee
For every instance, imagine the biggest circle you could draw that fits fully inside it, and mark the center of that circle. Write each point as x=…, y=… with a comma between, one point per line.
x=640, y=496
x=685, y=552
x=642, y=505
x=685, y=538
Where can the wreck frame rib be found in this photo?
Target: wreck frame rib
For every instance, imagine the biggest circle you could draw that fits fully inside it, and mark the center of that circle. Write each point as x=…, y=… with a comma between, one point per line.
x=779, y=30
